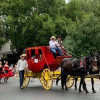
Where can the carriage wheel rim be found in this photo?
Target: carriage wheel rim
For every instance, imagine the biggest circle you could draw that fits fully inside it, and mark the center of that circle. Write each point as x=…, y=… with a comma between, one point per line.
x=70, y=83
x=26, y=81
x=46, y=79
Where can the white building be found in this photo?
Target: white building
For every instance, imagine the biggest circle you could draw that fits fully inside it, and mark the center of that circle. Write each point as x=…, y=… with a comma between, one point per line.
x=5, y=50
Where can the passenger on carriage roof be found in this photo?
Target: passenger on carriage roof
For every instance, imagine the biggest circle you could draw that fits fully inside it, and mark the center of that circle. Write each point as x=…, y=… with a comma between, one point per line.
x=61, y=44
x=54, y=46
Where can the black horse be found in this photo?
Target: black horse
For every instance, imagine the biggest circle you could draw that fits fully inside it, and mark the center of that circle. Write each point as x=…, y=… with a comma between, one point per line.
x=72, y=67
x=93, y=68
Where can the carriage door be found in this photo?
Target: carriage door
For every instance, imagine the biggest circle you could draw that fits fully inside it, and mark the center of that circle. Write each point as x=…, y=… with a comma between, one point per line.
x=38, y=55
x=33, y=54
x=36, y=59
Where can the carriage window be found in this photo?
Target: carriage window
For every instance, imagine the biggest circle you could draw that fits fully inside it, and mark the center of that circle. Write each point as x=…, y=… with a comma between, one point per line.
x=40, y=55
x=32, y=54
x=40, y=51
x=36, y=56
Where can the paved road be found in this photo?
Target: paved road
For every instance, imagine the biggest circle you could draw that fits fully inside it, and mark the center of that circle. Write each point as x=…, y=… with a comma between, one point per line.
x=35, y=91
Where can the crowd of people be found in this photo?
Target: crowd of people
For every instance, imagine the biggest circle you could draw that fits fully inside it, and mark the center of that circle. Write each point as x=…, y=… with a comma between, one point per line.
x=7, y=71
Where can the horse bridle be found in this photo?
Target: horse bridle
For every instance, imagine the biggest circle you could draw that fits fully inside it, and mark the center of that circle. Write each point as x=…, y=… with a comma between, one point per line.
x=92, y=65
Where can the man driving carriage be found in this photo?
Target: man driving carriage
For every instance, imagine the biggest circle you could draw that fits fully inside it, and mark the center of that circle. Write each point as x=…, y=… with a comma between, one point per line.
x=54, y=47
x=61, y=45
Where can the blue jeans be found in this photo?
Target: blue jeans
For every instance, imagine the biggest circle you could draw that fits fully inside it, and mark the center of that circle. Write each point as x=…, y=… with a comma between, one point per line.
x=21, y=76
x=54, y=51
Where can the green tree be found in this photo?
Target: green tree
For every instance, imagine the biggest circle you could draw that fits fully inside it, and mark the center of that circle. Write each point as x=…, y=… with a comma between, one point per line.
x=32, y=22
x=2, y=34
x=84, y=30
x=84, y=36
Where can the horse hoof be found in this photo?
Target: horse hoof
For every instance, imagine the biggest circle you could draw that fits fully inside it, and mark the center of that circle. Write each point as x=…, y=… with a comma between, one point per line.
x=75, y=88
x=94, y=91
x=87, y=92
x=66, y=89
x=62, y=88
x=56, y=83
x=80, y=91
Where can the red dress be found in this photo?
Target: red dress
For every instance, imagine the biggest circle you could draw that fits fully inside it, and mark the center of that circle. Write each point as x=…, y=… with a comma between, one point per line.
x=1, y=72
x=8, y=72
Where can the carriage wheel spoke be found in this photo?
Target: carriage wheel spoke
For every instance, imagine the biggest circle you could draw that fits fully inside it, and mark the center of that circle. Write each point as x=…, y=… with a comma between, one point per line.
x=46, y=79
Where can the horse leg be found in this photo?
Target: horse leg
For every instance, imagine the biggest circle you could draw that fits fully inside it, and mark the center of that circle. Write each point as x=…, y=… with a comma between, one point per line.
x=62, y=81
x=84, y=86
x=65, y=82
x=57, y=80
x=92, y=82
x=80, y=86
x=84, y=83
x=76, y=79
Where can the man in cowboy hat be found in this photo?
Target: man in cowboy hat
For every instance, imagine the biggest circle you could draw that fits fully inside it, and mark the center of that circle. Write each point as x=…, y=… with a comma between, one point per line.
x=61, y=44
x=21, y=66
x=54, y=46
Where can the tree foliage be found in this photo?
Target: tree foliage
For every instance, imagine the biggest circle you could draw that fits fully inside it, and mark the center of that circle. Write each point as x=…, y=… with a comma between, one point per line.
x=32, y=23
x=2, y=34
x=84, y=32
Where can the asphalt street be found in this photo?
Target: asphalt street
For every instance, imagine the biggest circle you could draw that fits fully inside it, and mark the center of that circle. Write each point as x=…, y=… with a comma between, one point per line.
x=35, y=91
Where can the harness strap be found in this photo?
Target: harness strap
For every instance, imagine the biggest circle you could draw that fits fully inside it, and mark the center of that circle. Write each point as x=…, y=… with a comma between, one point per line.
x=83, y=62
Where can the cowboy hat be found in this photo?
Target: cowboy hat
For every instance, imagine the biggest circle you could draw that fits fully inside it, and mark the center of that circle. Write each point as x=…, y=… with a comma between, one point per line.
x=23, y=55
x=52, y=37
x=58, y=36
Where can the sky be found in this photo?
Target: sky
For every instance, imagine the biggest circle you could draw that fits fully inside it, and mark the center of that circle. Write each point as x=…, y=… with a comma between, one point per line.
x=66, y=0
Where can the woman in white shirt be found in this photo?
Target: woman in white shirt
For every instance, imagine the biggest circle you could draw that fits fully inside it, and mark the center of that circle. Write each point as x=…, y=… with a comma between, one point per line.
x=54, y=46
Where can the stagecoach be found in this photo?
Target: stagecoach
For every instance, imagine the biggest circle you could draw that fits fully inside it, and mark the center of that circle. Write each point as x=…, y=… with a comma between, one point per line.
x=44, y=66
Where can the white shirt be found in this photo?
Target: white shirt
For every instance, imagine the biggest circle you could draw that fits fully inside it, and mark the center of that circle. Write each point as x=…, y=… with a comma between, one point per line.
x=21, y=65
x=53, y=44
